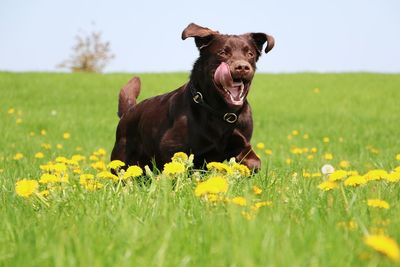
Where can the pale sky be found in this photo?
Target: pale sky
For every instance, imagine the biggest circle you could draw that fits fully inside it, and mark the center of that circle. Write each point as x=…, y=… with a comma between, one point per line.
x=145, y=36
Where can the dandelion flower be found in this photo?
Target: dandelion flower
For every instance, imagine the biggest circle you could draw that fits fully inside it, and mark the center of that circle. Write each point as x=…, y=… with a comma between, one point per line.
x=219, y=167
x=39, y=155
x=325, y=140
x=378, y=203
x=100, y=152
x=59, y=146
x=344, y=164
x=92, y=185
x=66, y=135
x=295, y=132
x=355, y=180
x=180, y=157
x=327, y=185
x=398, y=157
x=328, y=156
x=25, y=188
x=48, y=178
x=268, y=152
x=78, y=158
x=385, y=245
x=393, y=177
x=241, y=169
x=256, y=206
x=132, y=172
x=99, y=165
x=338, y=175
x=260, y=145
x=44, y=193
x=107, y=175
x=115, y=164
x=43, y=132
x=18, y=156
x=173, y=168
x=46, y=146
x=306, y=136
x=376, y=175
x=84, y=178
x=314, y=150
x=257, y=190
x=213, y=185
x=11, y=111
x=240, y=201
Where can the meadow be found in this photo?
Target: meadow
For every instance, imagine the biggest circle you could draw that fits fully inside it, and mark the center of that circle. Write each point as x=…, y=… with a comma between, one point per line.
x=291, y=213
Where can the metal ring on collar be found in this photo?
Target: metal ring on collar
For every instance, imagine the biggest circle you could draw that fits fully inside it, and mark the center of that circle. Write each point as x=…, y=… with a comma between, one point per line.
x=198, y=97
x=230, y=117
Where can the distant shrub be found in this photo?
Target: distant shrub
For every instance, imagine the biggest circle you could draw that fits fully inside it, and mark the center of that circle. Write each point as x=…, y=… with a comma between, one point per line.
x=89, y=54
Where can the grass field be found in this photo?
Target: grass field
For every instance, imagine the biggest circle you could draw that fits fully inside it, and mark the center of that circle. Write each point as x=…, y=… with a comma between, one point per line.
x=278, y=217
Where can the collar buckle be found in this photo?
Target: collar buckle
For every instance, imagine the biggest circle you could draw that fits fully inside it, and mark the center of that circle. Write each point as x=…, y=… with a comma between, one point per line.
x=230, y=117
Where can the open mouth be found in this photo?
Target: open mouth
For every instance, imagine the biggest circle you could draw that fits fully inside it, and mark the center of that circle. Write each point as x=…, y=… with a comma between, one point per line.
x=234, y=89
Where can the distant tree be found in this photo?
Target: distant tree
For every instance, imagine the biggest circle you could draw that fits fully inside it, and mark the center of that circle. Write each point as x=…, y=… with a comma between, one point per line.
x=89, y=54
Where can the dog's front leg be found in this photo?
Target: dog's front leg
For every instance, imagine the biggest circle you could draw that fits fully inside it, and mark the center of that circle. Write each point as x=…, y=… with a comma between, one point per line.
x=249, y=158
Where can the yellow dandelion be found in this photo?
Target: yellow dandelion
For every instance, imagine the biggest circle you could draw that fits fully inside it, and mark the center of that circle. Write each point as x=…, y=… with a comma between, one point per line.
x=132, y=172
x=268, y=152
x=173, y=168
x=325, y=140
x=248, y=215
x=46, y=146
x=100, y=152
x=25, y=188
x=84, y=178
x=99, y=165
x=59, y=146
x=261, y=204
x=213, y=185
x=398, y=157
x=60, y=167
x=344, y=164
x=393, y=177
x=66, y=135
x=219, y=167
x=94, y=158
x=77, y=158
x=310, y=157
x=338, y=175
x=378, y=203
x=257, y=190
x=92, y=185
x=316, y=90
x=290, y=137
x=61, y=159
x=44, y=193
x=31, y=134
x=306, y=136
x=43, y=132
x=115, y=164
x=18, y=156
x=355, y=180
x=48, y=178
x=316, y=174
x=18, y=121
x=328, y=156
x=306, y=174
x=11, y=111
x=107, y=175
x=288, y=161
x=296, y=150
x=327, y=185
x=260, y=145
x=295, y=132
x=376, y=175
x=240, y=201
x=39, y=155
x=397, y=169
x=78, y=148
x=180, y=157
x=385, y=245
x=314, y=150
x=241, y=169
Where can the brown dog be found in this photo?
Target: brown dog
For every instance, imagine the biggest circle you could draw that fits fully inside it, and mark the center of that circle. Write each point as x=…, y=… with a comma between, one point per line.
x=208, y=117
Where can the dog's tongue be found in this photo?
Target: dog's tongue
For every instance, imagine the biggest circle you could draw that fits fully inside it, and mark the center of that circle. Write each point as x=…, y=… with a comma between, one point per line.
x=223, y=77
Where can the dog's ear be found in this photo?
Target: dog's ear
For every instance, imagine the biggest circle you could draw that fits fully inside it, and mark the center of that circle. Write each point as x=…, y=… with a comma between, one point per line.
x=202, y=36
x=260, y=38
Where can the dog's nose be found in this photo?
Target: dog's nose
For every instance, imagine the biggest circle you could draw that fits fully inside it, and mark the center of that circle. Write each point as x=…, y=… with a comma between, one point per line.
x=241, y=67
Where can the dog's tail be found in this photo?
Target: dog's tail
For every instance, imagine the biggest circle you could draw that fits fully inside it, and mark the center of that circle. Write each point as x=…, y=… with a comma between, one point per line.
x=128, y=96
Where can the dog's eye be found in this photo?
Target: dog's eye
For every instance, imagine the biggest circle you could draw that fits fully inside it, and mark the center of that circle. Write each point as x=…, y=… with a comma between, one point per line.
x=222, y=53
x=250, y=54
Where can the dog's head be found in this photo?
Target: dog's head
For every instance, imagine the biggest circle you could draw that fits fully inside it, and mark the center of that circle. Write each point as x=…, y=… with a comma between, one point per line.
x=227, y=63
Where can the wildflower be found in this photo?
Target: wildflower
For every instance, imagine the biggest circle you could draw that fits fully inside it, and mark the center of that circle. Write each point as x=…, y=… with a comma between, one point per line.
x=180, y=157
x=219, y=167
x=18, y=156
x=327, y=169
x=59, y=167
x=59, y=146
x=43, y=132
x=66, y=135
x=84, y=178
x=289, y=137
x=288, y=161
x=316, y=174
x=325, y=140
x=328, y=156
x=385, y=245
x=44, y=193
x=316, y=90
x=77, y=157
x=397, y=169
x=11, y=111
x=214, y=198
x=376, y=175
x=295, y=132
x=306, y=174
x=100, y=152
x=25, y=188
x=344, y=164
x=338, y=175
x=378, y=203
x=393, y=177
x=213, y=185
x=327, y=185
x=94, y=158
x=355, y=180
x=133, y=171
x=296, y=150
x=107, y=175
x=31, y=134
x=247, y=215
x=240, y=201
x=398, y=157
x=268, y=152
x=18, y=121
x=46, y=146
x=115, y=165
x=260, y=145
x=61, y=159
x=310, y=157
x=99, y=165
x=78, y=148
x=306, y=136
x=257, y=190
x=314, y=150
x=39, y=155
x=48, y=178
x=261, y=204
x=351, y=225
x=92, y=185
x=241, y=169
x=173, y=168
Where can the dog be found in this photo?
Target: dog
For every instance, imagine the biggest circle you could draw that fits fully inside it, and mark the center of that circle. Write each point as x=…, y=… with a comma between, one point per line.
x=209, y=116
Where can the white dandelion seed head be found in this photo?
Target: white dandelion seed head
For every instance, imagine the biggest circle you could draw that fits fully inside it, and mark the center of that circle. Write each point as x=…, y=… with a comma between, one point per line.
x=327, y=169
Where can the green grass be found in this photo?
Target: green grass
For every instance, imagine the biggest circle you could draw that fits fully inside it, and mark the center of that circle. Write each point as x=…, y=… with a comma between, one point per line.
x=147, y=224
